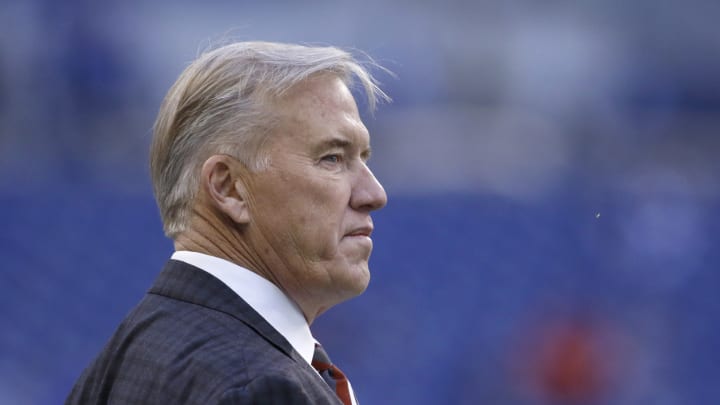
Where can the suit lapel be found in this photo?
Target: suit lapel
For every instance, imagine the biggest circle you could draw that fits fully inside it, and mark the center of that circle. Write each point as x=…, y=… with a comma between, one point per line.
x=181, y=281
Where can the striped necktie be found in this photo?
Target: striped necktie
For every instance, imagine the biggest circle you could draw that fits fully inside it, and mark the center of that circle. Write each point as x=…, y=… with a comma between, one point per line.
x=331, y=374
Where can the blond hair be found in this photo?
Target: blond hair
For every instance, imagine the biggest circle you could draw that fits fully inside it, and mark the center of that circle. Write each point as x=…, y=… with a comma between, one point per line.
x=221, y=104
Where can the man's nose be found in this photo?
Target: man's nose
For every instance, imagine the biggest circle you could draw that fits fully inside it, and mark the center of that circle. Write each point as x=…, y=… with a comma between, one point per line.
x=367, y=194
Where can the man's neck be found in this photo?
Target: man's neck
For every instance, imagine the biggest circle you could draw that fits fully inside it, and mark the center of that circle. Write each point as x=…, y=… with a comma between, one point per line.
x=229, y=243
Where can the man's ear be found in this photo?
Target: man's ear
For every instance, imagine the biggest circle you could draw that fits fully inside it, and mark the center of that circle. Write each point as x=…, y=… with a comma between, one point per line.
x=224, y=188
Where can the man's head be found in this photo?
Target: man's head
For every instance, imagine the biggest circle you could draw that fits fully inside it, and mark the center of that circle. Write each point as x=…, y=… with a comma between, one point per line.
x=259, y=155
x=224, y=103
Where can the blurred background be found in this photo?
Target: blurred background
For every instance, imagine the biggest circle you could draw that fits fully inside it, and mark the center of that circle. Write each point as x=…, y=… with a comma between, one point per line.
x=552, y=169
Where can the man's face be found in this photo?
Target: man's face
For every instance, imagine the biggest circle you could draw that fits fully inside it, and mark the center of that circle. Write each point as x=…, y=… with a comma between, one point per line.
x=310, y=208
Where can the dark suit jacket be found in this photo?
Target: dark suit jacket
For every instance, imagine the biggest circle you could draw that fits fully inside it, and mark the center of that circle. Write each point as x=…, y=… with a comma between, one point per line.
x=192, y=340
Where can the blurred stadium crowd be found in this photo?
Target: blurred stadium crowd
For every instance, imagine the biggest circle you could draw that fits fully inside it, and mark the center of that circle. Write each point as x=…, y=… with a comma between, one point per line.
x=552, y=170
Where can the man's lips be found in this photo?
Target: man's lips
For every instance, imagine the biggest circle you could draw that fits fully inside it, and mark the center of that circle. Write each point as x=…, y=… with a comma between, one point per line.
x=361, y=231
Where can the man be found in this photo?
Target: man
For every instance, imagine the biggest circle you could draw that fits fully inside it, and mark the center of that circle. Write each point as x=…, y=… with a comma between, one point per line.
x=259, y=167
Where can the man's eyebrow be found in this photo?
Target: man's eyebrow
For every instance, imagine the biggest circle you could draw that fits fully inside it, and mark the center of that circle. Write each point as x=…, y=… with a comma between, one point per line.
x=341, y=143
x=334, y=143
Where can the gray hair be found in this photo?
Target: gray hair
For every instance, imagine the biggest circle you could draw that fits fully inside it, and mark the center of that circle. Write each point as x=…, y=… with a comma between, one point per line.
x=220, y=104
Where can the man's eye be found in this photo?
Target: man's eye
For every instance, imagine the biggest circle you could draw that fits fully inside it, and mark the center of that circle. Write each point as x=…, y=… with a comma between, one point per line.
x=332, y=158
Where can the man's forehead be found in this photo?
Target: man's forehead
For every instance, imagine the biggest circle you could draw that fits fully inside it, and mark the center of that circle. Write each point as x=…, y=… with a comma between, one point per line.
x=322, y=91
x=323, y=111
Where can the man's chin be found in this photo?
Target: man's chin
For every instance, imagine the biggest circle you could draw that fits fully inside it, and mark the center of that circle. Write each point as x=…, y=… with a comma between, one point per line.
x=360, y=278
x=351, y=279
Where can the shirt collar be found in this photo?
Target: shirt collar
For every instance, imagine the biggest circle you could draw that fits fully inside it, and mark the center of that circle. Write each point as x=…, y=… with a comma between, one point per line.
x=262, y=295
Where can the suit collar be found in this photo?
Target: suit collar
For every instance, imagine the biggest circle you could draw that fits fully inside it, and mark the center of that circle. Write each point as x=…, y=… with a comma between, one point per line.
x=184, y=282
x=262, y=295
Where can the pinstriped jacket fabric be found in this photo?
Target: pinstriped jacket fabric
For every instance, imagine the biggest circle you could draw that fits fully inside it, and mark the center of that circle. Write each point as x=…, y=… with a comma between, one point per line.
x=192, y=340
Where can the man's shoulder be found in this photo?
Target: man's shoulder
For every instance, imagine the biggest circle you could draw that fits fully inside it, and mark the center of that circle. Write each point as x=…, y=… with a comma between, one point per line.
x=171, y=350
x=197, y=315
x=167, y=331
